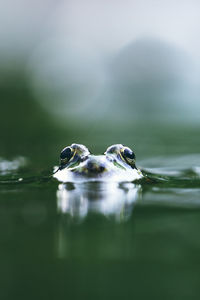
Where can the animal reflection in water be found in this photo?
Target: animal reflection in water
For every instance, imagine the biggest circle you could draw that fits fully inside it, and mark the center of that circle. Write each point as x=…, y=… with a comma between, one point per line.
x=110, y=199
x=114, y=201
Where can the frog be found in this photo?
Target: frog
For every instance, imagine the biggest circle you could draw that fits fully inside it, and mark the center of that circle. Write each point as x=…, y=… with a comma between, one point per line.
x=116, y=164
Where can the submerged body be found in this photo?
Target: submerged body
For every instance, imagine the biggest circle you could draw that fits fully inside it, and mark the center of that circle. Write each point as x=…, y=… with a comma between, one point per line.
x=117, y=164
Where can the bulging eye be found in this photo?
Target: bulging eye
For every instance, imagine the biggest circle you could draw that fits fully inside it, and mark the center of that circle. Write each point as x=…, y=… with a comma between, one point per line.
x=129, y=156
x=114, y=149
x=73, y=154
x=129, y=153
x=66, y=154
x=122, y=153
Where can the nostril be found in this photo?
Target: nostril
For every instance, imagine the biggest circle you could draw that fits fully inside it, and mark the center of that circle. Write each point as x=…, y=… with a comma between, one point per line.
x=93, y=166
x=101, y=168
x=90, y=165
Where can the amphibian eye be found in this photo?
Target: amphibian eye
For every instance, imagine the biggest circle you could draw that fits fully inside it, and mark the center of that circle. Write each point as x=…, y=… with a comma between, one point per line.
x=73, y=154
x=66, y=153
x=128, y=153
x=128, y=156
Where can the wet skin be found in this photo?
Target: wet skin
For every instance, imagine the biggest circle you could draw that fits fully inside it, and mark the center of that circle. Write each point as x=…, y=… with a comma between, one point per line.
x=117, y=164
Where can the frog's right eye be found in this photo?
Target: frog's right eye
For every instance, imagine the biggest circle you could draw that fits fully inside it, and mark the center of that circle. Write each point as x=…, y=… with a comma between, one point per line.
x=66, y=154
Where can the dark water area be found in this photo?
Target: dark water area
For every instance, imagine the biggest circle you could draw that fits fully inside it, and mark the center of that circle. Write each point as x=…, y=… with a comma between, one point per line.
x=95, y=241
x=145, y=246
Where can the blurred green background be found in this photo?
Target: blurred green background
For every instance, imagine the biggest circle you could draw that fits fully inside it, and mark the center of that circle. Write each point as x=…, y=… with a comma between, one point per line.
x=99, y=73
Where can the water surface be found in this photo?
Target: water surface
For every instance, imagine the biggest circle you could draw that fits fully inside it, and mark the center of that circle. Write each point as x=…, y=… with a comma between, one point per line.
x=98, y=240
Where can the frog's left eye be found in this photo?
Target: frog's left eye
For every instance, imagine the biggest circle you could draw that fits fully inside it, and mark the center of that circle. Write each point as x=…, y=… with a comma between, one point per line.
x=73, y=154
x=66, y=154
x=128, y=155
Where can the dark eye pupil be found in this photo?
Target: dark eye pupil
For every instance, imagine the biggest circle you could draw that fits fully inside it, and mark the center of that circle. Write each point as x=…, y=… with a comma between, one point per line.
x=129, y=153
x=66, y=153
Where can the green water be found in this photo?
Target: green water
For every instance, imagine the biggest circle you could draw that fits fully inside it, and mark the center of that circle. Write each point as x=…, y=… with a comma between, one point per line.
x=149, y=251
x=148, y=247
